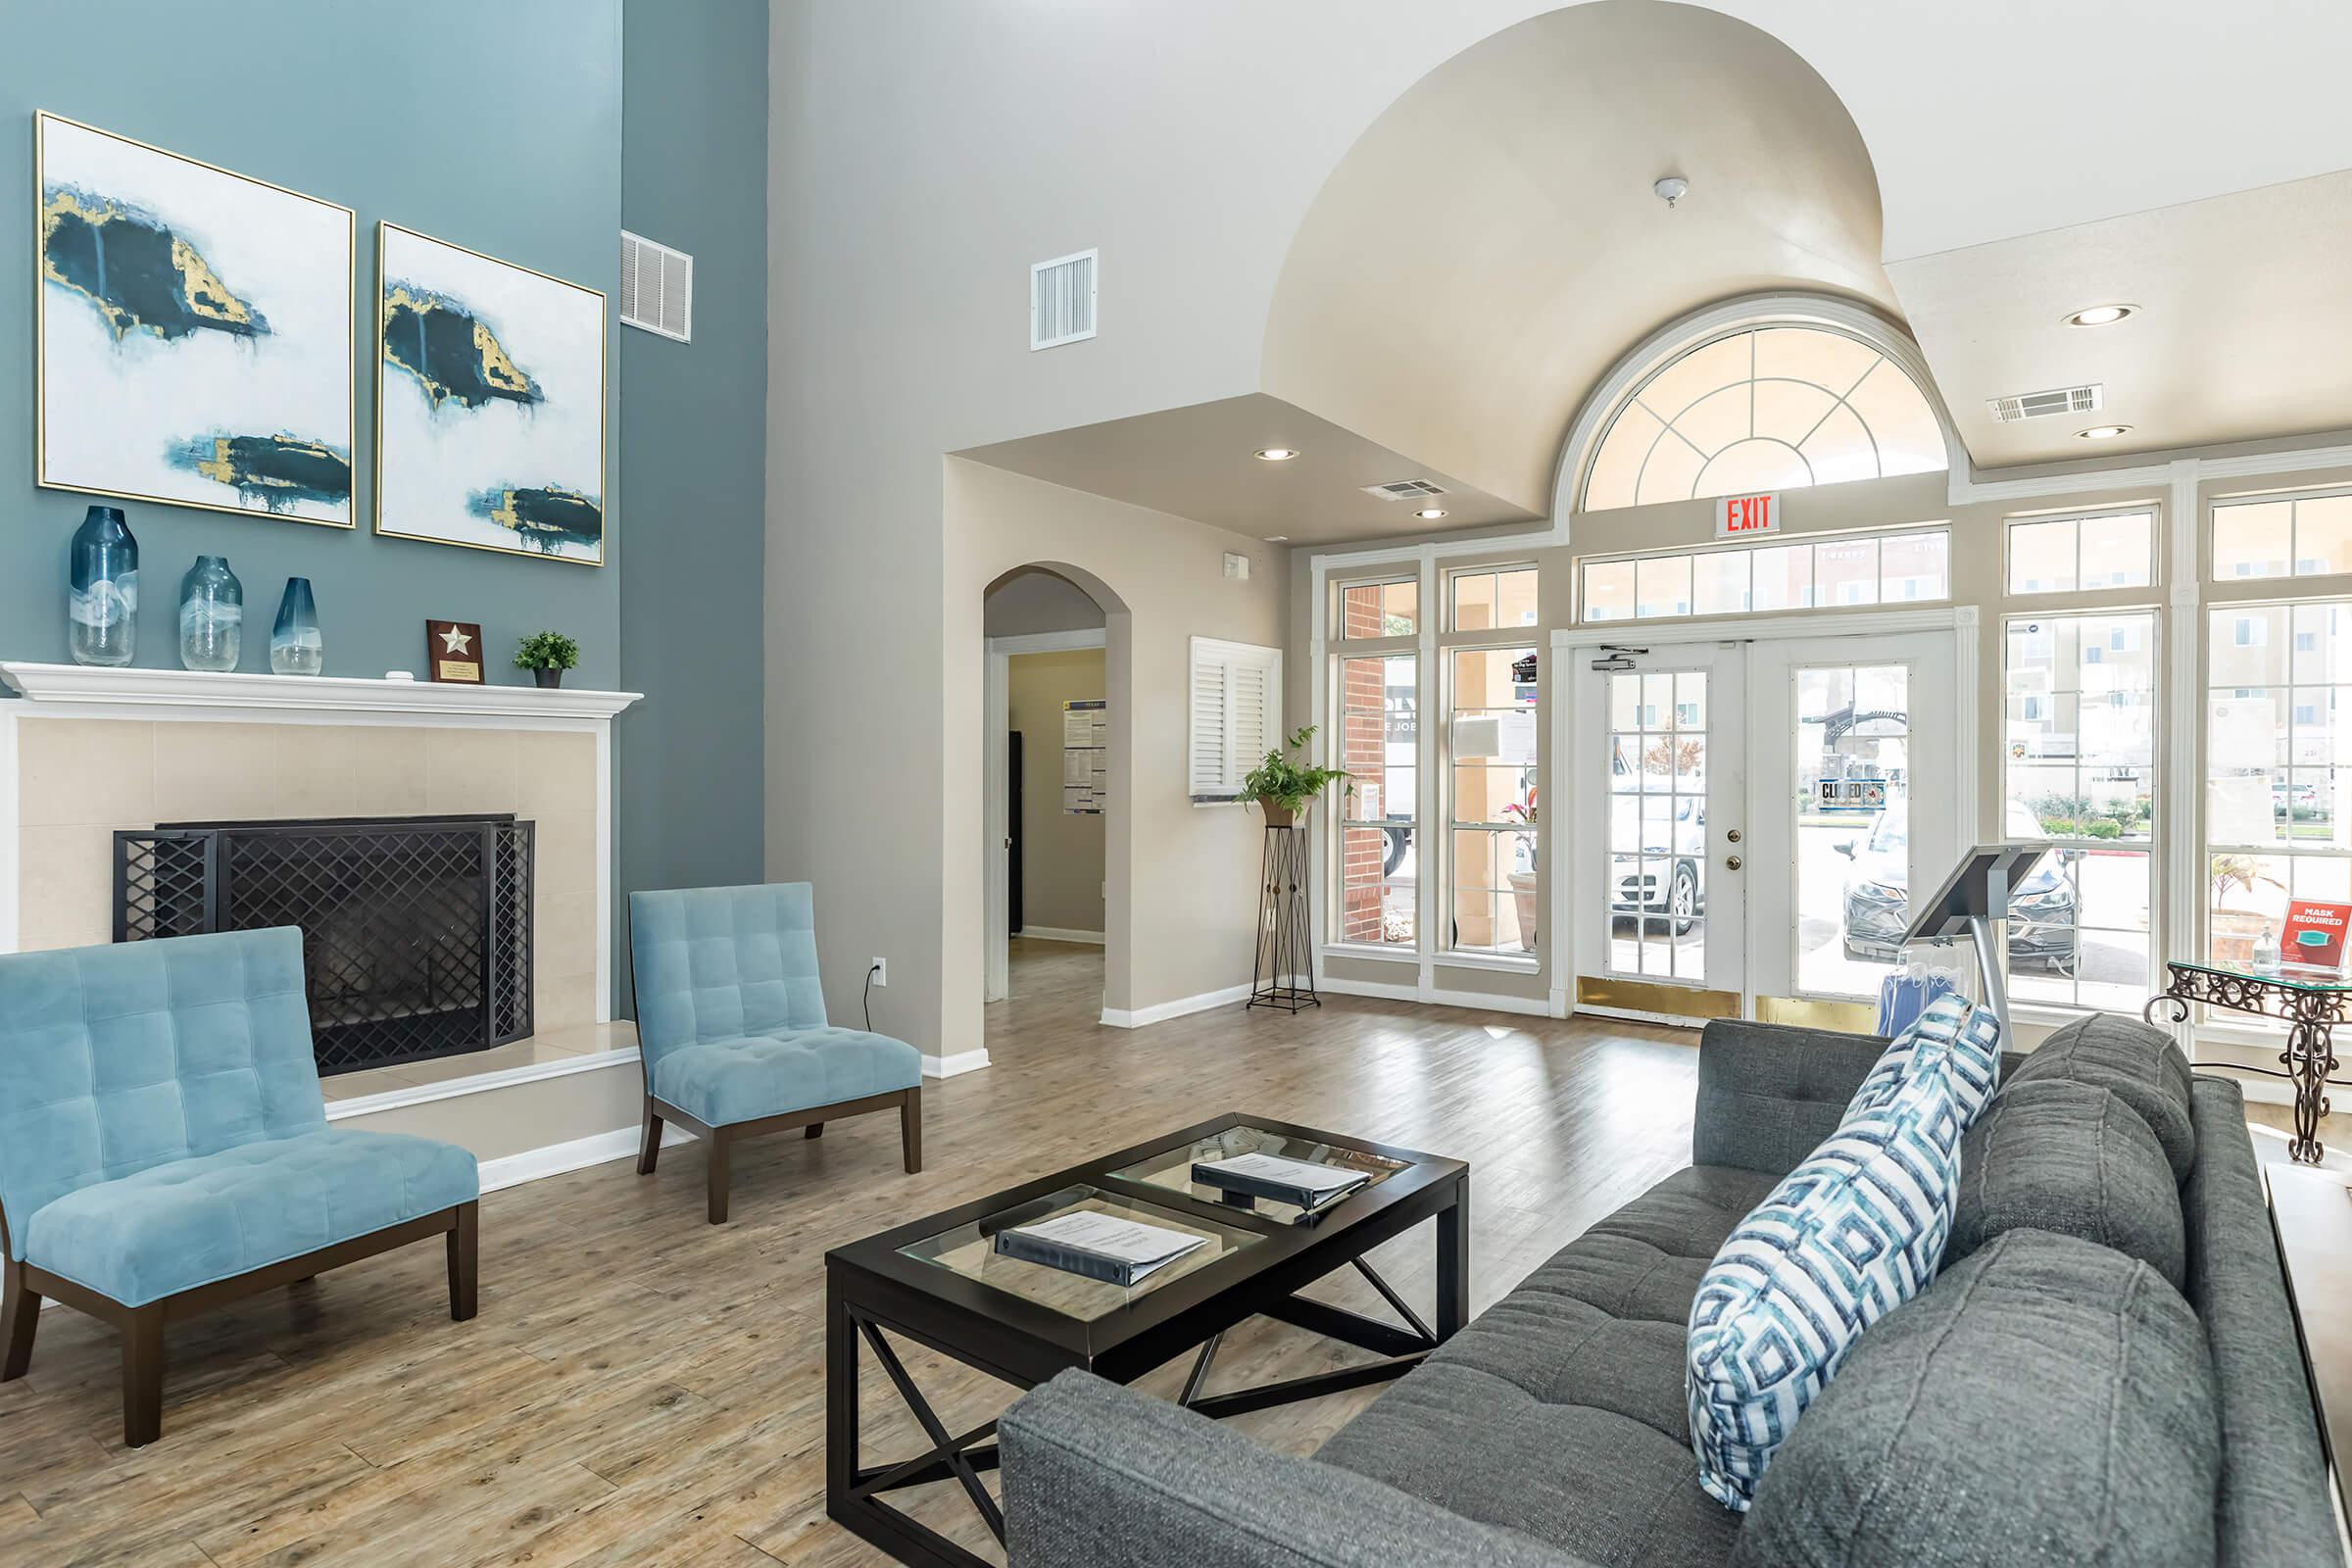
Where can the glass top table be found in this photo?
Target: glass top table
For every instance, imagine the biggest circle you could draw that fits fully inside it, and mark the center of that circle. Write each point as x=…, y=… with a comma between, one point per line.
x=2309, y=999
x=940, y=1281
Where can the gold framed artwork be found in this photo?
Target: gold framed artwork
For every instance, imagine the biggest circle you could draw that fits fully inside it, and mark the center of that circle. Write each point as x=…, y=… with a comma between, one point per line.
x=194, y=332
x=489, y=403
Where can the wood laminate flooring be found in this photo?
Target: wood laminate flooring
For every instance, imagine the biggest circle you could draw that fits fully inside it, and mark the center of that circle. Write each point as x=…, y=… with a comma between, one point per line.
x=643, y=1389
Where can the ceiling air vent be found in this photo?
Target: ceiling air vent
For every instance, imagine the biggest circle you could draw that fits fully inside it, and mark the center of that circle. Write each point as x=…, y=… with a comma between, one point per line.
x=1405, y=490
x=1061, y=301
x=656, y=288
x=2040, y=404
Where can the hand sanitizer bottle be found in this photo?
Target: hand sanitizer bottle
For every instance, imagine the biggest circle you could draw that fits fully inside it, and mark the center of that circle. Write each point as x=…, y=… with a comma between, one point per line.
x=2266, y=950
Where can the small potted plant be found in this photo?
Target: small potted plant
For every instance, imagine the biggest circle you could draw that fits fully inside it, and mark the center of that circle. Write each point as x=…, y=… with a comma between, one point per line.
x=1283, y=788
x=1523, y=883
x=547, y=655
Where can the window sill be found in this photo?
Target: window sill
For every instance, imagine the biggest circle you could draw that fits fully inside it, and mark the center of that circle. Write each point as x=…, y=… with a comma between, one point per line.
x=1365, y=951
x=1505, y=963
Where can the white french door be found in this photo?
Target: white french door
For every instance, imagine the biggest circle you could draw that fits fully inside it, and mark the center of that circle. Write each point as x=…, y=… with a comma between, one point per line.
x=1659, y=905
x=1751, y=817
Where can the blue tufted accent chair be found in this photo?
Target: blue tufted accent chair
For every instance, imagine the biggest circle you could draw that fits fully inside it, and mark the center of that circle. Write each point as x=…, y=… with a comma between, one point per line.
x=164, y=1148
x=731, y=1024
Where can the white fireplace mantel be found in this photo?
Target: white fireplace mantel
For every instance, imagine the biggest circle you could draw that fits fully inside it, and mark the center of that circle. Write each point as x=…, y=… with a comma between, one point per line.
x=301, y=699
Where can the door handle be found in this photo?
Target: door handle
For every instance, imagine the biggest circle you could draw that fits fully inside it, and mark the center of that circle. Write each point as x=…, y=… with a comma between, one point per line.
x=1731, y=862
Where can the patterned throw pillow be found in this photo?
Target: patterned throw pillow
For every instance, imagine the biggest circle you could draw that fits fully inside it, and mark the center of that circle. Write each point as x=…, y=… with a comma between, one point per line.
x=1953, y=1033
x=1847, y=1237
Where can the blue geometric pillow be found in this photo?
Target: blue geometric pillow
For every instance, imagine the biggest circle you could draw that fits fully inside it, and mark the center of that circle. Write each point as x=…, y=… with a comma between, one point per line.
x=1847, y=1237
x=1952, y=1035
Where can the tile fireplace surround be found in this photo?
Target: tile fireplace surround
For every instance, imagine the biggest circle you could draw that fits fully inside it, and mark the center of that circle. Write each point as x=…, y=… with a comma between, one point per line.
x=84, y=752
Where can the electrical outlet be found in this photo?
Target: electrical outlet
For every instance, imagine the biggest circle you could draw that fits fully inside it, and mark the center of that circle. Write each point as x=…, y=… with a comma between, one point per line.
x=881, y=971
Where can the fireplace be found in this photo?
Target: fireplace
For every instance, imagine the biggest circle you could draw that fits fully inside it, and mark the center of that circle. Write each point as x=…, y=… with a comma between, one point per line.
x=416, y=930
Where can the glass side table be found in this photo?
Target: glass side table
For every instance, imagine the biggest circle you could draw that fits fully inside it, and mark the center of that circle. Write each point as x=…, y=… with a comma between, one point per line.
x=2310, y=1002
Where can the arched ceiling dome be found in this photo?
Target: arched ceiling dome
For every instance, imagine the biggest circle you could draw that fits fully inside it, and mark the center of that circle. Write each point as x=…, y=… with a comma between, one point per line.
x=1491, y=246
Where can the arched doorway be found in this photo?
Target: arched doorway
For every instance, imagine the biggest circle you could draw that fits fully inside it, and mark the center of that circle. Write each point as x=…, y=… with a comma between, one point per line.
x=1048, y=818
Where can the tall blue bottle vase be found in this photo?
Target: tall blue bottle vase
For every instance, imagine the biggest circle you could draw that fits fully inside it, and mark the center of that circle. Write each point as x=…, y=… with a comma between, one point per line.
x=296, y=645
x=102, y=604
x=212, y=615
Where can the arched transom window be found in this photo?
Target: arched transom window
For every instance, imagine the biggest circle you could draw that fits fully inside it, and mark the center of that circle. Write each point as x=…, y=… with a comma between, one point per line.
x=1767, y=408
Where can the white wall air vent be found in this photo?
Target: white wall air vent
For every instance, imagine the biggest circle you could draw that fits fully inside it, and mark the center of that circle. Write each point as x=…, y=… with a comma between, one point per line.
x=1061, y=300
x=1404, y=490
x=656, y=288
x=2040, y=404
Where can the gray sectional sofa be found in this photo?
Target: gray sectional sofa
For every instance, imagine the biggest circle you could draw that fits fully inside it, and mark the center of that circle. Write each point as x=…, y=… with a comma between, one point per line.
x=2104, y=1372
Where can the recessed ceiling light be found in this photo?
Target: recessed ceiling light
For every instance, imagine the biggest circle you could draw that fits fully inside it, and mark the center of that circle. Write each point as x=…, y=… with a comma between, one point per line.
x=2103, y=432
x=1277, y=453
x=1278, y=538
x=2100, y=316
x=1430, y=513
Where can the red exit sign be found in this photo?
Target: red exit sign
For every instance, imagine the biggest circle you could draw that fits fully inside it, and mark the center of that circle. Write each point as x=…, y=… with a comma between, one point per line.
x=1741, y=516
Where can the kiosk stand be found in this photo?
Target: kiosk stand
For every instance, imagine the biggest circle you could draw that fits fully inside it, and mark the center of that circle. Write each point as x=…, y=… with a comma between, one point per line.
x=1971, y=898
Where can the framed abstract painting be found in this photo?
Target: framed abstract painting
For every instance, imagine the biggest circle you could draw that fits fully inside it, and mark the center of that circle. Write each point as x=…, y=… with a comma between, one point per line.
x=489, y=403
x=195, y=331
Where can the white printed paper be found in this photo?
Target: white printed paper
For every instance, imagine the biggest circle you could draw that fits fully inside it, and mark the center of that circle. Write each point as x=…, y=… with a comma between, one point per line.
x=1124, y=1241
x=1301, y=1173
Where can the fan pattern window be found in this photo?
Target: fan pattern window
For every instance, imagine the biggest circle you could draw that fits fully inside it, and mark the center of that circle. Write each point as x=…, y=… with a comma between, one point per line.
x=1775, y=408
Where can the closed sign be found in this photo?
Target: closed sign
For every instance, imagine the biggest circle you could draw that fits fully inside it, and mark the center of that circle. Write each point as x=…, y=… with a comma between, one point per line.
x=1741, y=516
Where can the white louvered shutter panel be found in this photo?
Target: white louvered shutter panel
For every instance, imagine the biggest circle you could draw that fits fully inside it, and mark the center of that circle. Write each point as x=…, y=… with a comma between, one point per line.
x=1235, y=715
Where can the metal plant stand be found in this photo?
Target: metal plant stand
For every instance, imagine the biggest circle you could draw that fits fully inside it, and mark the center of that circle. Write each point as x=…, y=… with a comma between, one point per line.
x=1283, y=975
x=2310, y=1002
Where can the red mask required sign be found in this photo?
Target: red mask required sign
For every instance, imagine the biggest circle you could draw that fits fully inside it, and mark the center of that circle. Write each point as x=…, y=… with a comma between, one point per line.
x=1746, y=517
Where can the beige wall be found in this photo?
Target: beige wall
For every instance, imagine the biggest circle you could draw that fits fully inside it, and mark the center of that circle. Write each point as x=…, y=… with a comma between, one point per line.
x=80, y=779
x=1182, y=877
x=1034, y=600
x=1062, y=854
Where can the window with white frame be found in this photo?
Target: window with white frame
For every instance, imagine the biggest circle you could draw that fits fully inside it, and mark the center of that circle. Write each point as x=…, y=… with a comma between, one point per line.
x=1492, y=809
x=1235, y=715
x=2278, y=763
x=2081, y=554
x=2283, y=536
x=1376, y=668
x=2080, y=770
x=1770, y=408
x=1835, y=571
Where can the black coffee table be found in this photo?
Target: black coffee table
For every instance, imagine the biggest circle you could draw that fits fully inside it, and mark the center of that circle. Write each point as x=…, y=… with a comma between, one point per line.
x=938, y=1282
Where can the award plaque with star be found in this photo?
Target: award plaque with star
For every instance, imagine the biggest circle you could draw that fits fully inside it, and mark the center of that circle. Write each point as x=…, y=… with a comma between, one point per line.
x=452, y=651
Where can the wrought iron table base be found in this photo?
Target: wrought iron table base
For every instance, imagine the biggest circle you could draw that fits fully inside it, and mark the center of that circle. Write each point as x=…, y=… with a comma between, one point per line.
x=2310, y=1014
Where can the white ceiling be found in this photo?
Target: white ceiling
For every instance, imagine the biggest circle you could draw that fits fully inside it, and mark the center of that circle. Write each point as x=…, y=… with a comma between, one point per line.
x=2245, y=330
x=1200, y=463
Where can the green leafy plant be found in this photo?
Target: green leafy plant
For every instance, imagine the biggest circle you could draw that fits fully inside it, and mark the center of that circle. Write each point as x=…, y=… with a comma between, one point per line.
x=1287, y=785
x=546, y=650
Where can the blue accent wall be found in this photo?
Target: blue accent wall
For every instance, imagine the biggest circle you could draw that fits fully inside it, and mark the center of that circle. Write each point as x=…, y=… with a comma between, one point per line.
x=501, y=126
x=694, y=177
x=494, y=125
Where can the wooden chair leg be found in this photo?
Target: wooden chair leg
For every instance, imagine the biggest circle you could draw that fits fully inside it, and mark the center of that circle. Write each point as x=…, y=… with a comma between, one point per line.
x=911, y=1130
x=816, y=1129
x=143, y=1376
x=650, y=1150
x=464, y=1262
x=719, y=1175
x=20, y=1319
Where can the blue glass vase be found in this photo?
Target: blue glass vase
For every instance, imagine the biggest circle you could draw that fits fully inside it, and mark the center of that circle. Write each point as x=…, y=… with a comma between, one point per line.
x=212, y=615
x=102, y=610
x=296, y=646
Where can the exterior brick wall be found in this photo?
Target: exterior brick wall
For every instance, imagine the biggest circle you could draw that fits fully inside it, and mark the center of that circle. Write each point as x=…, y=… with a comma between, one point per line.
x=1365, y=752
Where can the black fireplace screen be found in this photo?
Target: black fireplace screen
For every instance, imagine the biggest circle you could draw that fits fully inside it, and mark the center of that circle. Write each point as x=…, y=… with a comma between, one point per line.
x=415, y=931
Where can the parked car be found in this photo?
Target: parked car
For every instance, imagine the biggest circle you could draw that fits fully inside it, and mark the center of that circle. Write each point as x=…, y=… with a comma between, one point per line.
x=2041, y=910
x=2306, y=795
x=1681, y=891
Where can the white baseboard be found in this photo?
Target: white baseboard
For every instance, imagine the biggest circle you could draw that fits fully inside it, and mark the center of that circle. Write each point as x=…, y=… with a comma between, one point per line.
x=962, y=1062
x=1056, y=933
x=597, y=1149
x=1161, y=1012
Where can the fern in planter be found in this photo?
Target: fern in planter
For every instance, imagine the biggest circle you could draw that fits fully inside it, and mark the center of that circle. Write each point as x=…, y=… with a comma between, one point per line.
x=1283, y=788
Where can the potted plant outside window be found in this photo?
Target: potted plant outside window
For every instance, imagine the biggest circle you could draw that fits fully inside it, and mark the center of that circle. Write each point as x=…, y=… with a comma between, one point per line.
x=547, y=655
x=1283, y=788
x=1523, y=883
